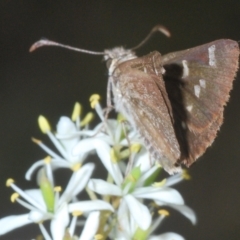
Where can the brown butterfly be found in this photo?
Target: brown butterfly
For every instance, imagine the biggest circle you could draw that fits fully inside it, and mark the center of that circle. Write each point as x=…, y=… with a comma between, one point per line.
x=174, y=101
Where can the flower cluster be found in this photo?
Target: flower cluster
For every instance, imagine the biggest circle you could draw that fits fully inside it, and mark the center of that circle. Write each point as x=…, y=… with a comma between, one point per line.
x=125, y=204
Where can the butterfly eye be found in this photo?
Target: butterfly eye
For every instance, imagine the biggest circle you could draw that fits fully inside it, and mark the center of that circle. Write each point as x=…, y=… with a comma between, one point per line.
x=109, y=63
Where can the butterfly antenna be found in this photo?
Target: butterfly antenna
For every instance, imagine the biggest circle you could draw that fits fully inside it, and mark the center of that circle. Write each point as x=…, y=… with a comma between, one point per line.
x=46, y=42
x=157, y=28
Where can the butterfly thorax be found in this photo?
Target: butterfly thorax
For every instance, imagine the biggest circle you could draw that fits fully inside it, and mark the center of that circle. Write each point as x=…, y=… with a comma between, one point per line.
x=117, y=55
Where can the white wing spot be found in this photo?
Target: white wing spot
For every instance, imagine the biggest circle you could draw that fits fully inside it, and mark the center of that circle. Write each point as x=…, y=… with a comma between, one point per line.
x=211, y=54
x=184, y=126
x=189, y=108
x=185, y=69
x=197, y=90
x=202, y=83
x=154, y=65
x=163, y=70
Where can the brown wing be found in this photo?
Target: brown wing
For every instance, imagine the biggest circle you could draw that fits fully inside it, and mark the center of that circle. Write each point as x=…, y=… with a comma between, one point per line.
x=147, y=107
x=198, y=82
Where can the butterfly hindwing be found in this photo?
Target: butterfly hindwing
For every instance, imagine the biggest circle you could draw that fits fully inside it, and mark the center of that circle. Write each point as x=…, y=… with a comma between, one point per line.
x=207, y=73
x=198, y=82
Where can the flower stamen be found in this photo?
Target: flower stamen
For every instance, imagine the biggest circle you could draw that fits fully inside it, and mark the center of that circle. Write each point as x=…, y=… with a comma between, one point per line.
x=77, y=110
x=160, y=184
x=94, y=100
x=76, y=167
x=44, y=124
x=77, y=213
x=186, y=175
x=37, y=141
x=87, y=119
x=57, y=189
x=14, y=197
x=9, y=182
x=47, y=160
x=164, y=212
x=98, y=237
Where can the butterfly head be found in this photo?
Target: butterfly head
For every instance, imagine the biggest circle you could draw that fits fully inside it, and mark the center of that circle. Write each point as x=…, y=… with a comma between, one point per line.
x=117, y=55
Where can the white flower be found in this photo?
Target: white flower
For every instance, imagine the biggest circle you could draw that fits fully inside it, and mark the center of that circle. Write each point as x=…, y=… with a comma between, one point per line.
x=130, y=188
x=131, y=204
x=58, y=214
x=68, y=134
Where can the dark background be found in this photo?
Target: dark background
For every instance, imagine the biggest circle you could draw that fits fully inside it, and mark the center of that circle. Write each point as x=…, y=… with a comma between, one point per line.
x=50, y=80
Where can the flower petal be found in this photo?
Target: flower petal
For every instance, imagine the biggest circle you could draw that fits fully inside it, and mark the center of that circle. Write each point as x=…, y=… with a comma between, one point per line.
x=91, y=226
x=35, y=196
x=104, y=188
x=58, y=144
x=186, y=211
x=60, y=163
x=66, y=127
x=160, y=195
x=91, y=205
x=143, y=160
x=33, y=168
x=38, y=216
x=60, y=222
x=167, y=236
x=139, y=212
x=123, y=230
x=9, y=223
x=77, y=182
x=83, y=146
x=103, y=151
x=55, y=163
x=146, y=174
x=174, y=179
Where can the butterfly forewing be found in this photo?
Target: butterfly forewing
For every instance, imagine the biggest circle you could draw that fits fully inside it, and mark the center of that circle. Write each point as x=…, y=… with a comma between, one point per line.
x=147, y=107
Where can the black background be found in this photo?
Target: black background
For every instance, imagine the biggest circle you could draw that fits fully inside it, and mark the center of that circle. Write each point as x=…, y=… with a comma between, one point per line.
x=50, y=80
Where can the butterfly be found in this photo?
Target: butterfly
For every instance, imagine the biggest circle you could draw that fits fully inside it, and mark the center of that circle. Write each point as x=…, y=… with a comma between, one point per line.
x=175, y=101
